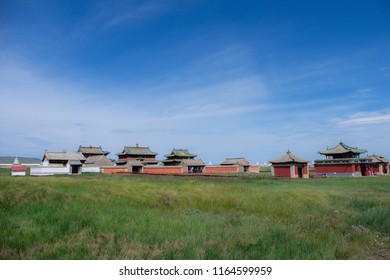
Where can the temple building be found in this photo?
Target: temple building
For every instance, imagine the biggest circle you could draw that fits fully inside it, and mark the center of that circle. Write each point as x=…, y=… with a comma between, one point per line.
x=242, y=163
x=136, y=156
x=180, y=157
x=290, y=166
x=380, y=165
x=343, y=160
x=176, y=157
x=92, y=151
x=59, y=163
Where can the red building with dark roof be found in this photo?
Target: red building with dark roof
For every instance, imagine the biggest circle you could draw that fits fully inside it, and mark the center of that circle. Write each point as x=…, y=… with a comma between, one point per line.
x=176, y=157
x=88, y=151
x=290, y=166
x=136, y=155
x=343, y=160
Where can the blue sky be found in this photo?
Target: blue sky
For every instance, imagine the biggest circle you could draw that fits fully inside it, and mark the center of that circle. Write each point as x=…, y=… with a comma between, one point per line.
x=220, y=78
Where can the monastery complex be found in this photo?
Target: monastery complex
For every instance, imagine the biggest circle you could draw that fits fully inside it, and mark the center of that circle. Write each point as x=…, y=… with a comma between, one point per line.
x=341, y=160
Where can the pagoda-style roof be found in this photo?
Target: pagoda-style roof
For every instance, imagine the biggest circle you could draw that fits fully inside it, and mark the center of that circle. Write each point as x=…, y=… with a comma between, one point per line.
x=92, y=150
x=180, y=153
x=289, y=157
x=235, y=161
x=342, y=149
x=137, y=151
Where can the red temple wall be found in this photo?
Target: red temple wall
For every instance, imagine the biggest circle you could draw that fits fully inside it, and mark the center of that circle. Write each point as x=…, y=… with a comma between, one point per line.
x=340, y=168
x=282, y=171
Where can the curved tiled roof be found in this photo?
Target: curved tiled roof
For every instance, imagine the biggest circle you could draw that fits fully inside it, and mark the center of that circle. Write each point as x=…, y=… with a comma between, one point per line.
x=137, y=150
x=289, y=157
x=92, y=150
x=342, y=148
x=180, y=153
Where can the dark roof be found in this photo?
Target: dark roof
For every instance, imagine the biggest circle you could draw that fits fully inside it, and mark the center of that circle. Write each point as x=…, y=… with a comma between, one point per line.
x=289, y=157
x=172, y=160
x=180, y=153
x=92, y=150
x=235, y=161
x=64, y=156
x=137, y=150
x=342, y=149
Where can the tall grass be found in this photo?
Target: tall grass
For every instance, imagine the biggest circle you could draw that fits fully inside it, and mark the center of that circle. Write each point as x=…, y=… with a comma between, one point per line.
x=139, y=217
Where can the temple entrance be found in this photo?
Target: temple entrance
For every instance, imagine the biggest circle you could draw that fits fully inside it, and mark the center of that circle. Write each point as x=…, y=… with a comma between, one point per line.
x=300, y=172
x=136, y=169
x=363, y=168
x=75, y=169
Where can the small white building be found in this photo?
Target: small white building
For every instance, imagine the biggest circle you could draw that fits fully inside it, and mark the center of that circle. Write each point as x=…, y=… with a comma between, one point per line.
x=59, y=163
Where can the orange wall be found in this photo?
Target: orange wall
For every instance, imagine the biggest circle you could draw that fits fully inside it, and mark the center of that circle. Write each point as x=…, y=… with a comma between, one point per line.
x=220, y=169
x=254, y=168
x=114, y=170
x=163, y=170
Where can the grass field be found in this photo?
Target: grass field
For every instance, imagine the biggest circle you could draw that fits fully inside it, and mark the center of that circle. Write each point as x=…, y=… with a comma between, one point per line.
x=151, y=217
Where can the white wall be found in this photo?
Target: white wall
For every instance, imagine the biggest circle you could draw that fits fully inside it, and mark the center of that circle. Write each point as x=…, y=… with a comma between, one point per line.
x=93, y=169
x=18, y=173
x=40, y=171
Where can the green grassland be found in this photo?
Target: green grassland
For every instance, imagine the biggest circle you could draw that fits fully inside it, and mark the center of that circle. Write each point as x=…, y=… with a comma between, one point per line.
x=155, y=217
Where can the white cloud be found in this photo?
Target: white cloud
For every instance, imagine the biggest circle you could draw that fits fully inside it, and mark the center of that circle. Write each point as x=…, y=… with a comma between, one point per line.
x=366, y=118
x=40, y=112
x=125, y=12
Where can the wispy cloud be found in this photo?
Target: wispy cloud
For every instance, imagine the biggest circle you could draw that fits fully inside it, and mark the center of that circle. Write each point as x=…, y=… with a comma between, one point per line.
x=366, y=118
x=128, y=12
